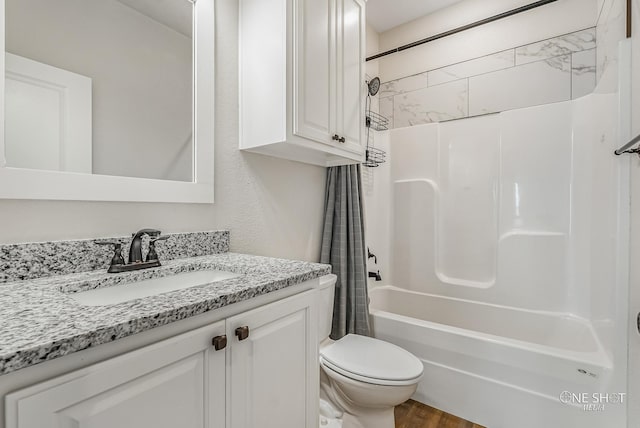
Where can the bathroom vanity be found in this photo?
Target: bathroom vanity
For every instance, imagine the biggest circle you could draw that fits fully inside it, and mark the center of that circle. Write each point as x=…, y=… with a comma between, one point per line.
x=238, y=352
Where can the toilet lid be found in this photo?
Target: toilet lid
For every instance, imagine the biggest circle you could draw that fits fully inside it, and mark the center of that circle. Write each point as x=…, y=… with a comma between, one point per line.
x=374, y=360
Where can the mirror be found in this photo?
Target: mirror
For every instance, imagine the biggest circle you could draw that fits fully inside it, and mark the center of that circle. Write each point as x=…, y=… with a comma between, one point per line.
x=102, y=100
x=100, y=86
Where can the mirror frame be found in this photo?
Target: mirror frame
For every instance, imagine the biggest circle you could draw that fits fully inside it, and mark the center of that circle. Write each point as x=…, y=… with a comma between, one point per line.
x=19, y=183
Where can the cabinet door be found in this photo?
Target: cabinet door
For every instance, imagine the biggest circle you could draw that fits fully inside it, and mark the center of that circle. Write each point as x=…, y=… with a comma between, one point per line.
x=351, y=92
x=179, y=382
x=314, y=78
x=274, y=372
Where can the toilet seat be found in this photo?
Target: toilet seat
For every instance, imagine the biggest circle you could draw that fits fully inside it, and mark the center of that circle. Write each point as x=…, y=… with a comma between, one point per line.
x=372, y=361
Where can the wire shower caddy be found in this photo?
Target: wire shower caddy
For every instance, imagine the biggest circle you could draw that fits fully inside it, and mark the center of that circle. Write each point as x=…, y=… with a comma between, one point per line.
x=374, y=156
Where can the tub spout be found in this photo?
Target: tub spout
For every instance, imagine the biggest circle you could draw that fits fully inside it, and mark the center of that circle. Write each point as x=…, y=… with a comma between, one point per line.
x=375, y=275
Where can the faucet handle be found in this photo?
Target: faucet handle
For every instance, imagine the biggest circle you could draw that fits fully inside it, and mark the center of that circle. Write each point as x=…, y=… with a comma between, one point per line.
x=152, y=256
x=371, y=255
x=117, y=252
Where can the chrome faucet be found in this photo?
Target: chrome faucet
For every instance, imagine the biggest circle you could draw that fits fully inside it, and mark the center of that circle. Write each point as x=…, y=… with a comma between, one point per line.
x=135, y=252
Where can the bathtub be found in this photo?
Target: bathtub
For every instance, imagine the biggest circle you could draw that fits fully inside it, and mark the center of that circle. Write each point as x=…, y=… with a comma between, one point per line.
x=497, y=366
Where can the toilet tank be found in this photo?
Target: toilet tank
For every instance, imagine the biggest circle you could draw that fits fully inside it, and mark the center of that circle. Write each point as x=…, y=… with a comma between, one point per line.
x=326, y=290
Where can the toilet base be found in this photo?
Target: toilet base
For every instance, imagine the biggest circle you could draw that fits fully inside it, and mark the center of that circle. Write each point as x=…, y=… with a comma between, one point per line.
x=330, y=417
x=360, y=405
x=330, y=422
x=373, y=418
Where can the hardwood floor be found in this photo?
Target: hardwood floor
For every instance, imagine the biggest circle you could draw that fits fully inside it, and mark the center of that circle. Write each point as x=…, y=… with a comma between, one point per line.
x=417, y=415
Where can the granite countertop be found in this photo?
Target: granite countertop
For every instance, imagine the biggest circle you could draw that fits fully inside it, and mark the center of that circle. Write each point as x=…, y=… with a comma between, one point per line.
x=39, y=321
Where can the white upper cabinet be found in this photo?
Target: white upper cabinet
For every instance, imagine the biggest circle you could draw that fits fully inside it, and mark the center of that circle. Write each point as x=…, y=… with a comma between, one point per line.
x=302, y=86
x=314, y=114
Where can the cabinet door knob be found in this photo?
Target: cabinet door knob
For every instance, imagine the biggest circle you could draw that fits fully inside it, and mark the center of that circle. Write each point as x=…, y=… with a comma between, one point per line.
x=242, y=332
x=219, y=342
x=335, y=137
x=342, y=139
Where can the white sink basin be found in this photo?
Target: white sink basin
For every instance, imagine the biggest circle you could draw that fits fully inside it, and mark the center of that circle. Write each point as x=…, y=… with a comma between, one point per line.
x=149, y=287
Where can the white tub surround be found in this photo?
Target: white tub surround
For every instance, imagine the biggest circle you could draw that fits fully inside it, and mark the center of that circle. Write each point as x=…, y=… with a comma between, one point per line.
x=486, y=208
x=503, y=260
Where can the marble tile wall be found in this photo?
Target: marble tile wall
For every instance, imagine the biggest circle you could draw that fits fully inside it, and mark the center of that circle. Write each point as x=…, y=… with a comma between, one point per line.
x=534, y=83
x=610, y=30
x=553, y=70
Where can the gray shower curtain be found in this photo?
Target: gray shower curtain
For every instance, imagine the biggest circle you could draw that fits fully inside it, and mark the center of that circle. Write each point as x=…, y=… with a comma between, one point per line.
x=343, y=247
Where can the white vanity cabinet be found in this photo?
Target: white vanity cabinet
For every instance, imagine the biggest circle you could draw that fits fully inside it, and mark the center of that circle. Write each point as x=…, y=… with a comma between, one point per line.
x=302, y=82
x=273, y=373
x=268, y=379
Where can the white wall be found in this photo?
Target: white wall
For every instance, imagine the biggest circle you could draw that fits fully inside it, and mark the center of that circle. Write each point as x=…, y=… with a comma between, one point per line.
x=371, y=67
x=548, y=21
x=141, y=72
x=272, y=207
x=372, y=48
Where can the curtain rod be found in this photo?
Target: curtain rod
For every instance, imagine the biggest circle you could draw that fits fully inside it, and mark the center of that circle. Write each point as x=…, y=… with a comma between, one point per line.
x=464, y=28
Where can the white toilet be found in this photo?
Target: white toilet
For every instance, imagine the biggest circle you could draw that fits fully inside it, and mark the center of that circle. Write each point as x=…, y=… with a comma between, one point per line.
x=362, y=379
